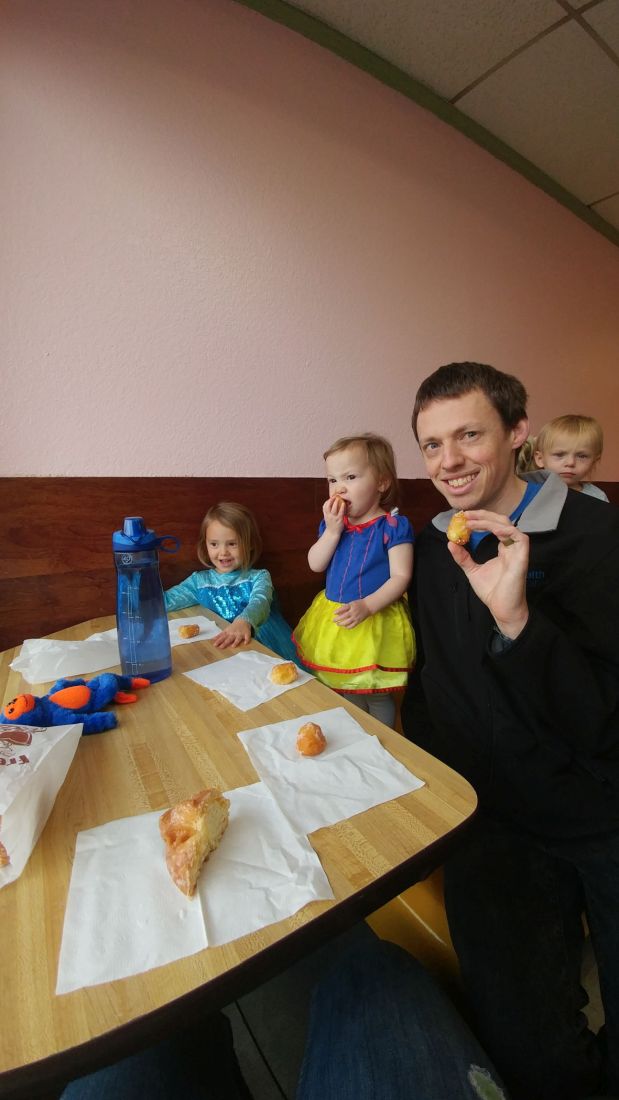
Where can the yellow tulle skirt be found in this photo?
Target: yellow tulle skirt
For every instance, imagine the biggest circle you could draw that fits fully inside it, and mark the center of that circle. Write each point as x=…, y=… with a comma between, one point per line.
x=376, y=655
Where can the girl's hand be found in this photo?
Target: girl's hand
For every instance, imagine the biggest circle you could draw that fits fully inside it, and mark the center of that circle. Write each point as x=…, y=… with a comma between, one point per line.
x=501, y=582
x=334, y=511
x=351, y=614
x=238, y=633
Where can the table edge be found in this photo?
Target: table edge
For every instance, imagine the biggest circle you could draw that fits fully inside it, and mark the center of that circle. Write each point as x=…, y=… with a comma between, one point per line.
x=55, y=1071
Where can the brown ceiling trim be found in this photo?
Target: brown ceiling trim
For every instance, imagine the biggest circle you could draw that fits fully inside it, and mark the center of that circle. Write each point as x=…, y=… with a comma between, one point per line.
x=510, y=56
x=336, y=42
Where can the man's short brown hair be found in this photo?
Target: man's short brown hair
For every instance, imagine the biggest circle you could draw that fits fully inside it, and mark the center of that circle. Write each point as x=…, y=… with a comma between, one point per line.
x=504, y=391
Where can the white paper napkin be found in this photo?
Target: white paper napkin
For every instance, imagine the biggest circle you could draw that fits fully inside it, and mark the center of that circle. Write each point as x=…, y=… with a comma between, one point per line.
x=353, y=773
x=244, y=679
x=208, y=629
x=124, y=914
x=45, y=659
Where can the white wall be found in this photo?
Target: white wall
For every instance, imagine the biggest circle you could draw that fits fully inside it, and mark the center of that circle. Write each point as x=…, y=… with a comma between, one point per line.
x=223, y=247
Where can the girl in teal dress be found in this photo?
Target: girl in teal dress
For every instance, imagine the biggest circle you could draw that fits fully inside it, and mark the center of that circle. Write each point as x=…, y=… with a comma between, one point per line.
x=229, y=545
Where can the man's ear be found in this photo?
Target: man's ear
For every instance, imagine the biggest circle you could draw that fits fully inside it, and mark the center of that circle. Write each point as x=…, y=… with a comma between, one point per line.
x=519, y=433
x=539, y=460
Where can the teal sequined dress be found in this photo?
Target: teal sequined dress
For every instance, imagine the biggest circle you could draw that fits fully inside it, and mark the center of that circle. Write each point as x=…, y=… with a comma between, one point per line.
x=241, y=594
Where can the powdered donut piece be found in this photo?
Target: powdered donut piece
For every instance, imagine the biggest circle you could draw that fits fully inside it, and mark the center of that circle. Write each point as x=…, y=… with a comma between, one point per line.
x=311, y=740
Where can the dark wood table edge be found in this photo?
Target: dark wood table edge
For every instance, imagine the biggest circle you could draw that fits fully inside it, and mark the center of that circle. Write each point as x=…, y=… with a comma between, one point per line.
x=47, y=1077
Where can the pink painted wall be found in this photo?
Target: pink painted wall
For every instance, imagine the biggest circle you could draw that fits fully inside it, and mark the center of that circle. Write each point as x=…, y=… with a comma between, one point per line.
x=222, y=247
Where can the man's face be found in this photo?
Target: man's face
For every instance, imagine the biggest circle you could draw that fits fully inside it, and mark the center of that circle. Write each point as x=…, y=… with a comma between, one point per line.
x=469, y=454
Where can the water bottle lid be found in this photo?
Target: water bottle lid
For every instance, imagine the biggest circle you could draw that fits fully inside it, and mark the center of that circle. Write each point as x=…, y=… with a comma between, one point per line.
x=134, y=536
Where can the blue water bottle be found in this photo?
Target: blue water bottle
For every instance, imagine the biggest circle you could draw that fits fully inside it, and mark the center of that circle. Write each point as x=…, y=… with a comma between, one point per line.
x=143, y=633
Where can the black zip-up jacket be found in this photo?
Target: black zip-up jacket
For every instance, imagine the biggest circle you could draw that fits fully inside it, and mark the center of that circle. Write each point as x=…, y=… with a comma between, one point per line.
x=535, y=726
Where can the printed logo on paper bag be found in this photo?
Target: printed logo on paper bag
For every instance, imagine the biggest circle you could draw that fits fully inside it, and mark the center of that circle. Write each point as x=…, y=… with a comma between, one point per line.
x=12, y=737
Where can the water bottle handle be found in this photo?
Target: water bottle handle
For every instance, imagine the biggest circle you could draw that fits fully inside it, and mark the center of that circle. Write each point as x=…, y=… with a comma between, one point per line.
x=168, y=549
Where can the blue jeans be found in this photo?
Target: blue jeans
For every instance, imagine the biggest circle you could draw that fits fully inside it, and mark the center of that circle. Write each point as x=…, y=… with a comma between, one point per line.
x=381, y=1029
x=196, y=1064
x=515, y=908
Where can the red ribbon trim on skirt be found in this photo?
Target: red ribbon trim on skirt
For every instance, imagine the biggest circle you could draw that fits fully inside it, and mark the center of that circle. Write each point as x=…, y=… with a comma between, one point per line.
x=349, y=671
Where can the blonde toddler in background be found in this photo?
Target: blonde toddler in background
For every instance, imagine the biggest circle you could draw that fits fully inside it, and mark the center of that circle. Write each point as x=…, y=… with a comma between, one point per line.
x=571, y=446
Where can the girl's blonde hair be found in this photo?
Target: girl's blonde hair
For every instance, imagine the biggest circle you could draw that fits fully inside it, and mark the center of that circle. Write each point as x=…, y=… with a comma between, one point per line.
x=381, y=460
x=525, y=456
x=240, y=520
x=582, y=428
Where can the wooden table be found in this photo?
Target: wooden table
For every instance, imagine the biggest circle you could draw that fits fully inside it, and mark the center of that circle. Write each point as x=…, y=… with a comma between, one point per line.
x=175, y=740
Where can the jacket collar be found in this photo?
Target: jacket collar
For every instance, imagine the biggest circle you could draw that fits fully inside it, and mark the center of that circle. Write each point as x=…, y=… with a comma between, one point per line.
x=542, y=514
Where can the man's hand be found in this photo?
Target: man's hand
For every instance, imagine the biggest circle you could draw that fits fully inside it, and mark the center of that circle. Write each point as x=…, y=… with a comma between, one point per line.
x=351, y=614
x=238, y=633
x=501, y=582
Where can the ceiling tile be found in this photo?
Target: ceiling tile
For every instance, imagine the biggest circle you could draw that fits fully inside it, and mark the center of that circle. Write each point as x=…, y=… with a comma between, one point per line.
x=435, y=42
x=605, y=20
x=609, y=209
x=557, y=103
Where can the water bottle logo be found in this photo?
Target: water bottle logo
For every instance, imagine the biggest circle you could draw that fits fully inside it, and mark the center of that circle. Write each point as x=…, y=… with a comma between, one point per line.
x=126, y=559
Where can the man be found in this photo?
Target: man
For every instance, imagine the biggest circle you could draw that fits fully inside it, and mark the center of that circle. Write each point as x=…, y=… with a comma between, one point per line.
x=517, y=688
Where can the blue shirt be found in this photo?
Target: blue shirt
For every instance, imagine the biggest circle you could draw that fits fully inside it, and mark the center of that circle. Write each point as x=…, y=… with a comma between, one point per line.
x=360, y=564
x=532, y=489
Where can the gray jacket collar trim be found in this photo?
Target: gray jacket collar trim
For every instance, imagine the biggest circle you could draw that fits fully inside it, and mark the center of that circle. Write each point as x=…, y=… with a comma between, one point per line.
x=542, y=514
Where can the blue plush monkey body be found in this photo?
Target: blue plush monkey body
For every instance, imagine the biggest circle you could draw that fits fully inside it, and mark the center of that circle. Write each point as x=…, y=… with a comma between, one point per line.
x=74, y=701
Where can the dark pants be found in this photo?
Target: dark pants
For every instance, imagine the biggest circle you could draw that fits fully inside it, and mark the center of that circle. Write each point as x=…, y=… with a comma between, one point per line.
x=515, y=910
x=381, y=1029
x=196, y=1064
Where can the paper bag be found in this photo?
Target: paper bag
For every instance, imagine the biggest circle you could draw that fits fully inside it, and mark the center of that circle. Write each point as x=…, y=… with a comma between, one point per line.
x=34, y=761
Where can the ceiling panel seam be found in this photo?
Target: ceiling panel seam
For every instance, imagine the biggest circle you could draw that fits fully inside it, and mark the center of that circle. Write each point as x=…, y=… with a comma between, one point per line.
x=601, y=42
x=605, y=198
x=509, y=57
x=299, y=21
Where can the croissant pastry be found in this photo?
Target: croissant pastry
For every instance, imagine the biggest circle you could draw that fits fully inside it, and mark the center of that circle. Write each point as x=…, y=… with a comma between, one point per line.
x=191, y=830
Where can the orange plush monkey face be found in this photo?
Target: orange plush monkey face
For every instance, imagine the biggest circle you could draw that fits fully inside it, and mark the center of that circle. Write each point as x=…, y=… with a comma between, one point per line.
x=21, y=704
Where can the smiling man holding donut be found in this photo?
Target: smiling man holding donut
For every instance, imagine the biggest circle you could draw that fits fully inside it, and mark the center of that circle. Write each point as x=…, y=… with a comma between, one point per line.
x=517, y=688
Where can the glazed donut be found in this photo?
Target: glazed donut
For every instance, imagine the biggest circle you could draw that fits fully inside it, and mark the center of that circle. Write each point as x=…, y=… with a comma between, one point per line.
x=191, y=830
x=458, y=530
x=284, y=674
x=311, y=740
x=190, y=631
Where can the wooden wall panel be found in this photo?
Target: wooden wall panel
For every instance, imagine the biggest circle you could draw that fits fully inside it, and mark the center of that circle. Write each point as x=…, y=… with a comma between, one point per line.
x=56, y=565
